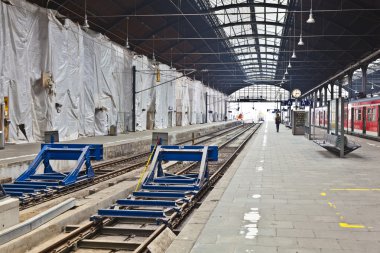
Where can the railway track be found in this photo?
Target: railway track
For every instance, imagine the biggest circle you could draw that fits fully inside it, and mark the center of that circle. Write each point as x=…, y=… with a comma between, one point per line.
x=107, y=170
x=135, y=234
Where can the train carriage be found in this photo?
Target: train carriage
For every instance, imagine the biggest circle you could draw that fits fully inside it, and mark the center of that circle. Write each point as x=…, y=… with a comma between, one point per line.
x=364, y=117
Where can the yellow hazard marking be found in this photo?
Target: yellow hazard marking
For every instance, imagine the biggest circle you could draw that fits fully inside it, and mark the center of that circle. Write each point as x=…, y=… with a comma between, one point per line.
x=346, y=225
x=341, y=217
x=355, y=189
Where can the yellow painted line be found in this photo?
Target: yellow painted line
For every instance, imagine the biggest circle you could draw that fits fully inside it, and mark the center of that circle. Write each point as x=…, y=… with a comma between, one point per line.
x=346, y=225
x=330, y=204
x=323, y=193
x=355, y=189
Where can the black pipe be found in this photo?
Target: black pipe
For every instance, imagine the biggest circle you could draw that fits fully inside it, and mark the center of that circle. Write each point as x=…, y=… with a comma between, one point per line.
x=206, y=107
x=134, y=98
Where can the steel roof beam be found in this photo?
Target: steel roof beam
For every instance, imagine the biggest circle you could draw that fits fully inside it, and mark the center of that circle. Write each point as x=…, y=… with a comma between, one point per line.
x=252, y=45
x=248, y=4
x=251, y=22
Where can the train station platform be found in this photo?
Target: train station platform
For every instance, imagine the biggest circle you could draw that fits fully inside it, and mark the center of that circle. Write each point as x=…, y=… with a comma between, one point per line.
x=285, y=194
x=15, y=158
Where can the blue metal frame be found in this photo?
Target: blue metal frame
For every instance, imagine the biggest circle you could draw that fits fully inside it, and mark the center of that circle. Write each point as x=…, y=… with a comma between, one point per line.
x=165, y=191
x=30, y=182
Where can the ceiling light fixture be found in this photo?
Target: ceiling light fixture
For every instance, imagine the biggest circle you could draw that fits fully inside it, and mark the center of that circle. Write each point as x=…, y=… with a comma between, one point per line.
x=300, y=42
x=289, y=65
x=311, y=19
x=286, y=72
x=154, y=63
x=85, y=26
x=294, y=38
x=294, y=56
x=127, y=42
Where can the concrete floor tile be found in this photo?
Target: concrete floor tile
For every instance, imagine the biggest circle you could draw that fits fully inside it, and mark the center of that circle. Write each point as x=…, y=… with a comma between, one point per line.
x=295, y=232
x=255, y=249
x=316, y=243
x=297, y=250
x=213, y=248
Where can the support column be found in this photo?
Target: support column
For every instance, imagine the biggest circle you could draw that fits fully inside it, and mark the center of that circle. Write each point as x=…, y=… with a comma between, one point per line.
x=329, y=115
x=336, y=116
x=325, y=96
x=340, y=89
x=321, y=97
x=341, y=106
x=364, y=79
x=332, y=91
x=314, y=114
x=350, y=92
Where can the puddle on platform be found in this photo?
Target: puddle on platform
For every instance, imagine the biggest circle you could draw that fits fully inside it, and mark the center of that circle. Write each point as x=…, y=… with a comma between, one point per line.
x=256, y=196
x=250, y=230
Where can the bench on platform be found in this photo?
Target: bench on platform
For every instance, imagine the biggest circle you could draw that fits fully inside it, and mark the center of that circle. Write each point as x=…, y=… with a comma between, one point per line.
x=333, y=143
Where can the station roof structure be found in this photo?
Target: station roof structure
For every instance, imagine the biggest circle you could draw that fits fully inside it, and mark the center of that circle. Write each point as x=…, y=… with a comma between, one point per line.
x=236, y=43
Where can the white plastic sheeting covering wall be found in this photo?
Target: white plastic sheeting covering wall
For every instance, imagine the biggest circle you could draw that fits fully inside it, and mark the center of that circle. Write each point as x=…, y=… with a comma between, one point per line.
x=195, y=94
x=92, y=76
x=165, y=97
x=182, y=101
x=144, y=91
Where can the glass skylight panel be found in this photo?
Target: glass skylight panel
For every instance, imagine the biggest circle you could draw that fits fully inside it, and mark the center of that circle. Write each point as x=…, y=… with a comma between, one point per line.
x=261, y=58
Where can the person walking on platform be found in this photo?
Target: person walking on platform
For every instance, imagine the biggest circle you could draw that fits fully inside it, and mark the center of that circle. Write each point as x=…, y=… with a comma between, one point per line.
x=277, y=121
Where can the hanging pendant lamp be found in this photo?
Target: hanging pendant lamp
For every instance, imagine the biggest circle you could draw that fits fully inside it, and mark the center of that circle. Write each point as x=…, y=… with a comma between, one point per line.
x=311, y=19
x=289, y=65
x=127, y=42
x=300, y=42
x=85, y=26
x=294, y=56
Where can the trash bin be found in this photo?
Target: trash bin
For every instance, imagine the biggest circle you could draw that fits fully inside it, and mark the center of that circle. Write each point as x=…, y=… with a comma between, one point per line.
x=51, y=136
x=113, y=130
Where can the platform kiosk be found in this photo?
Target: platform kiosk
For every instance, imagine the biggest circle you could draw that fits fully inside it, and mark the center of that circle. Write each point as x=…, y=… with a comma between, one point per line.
x=298, y=122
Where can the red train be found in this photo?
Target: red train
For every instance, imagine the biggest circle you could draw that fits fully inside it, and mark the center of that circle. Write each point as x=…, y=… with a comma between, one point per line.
x=361, y=117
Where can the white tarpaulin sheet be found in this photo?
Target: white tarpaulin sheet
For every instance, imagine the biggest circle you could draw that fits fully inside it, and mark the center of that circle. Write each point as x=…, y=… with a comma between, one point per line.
x=165, y=89
x=182, y=101
x=210, y=105
x=196, y=102
x=144, y=91
x=91, y=76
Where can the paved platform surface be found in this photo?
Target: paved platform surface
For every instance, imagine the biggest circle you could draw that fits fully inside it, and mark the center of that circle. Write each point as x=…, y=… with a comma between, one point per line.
x=288, y=195
x=16, y=152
